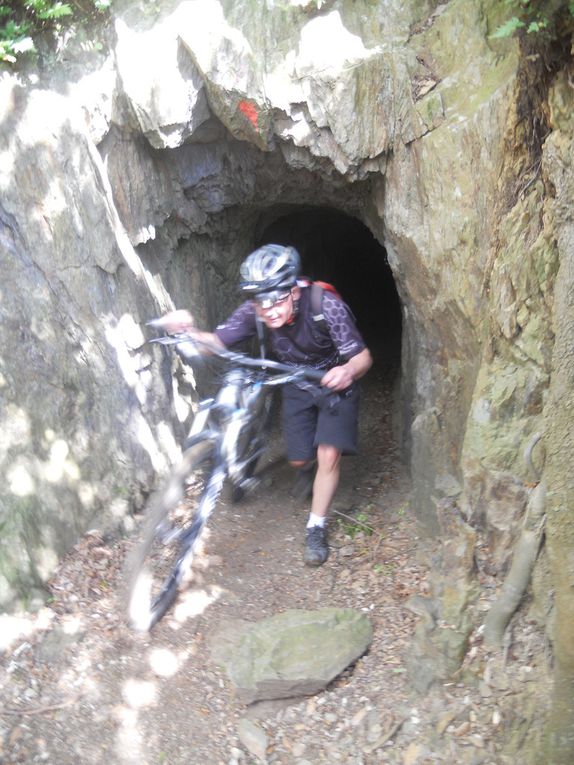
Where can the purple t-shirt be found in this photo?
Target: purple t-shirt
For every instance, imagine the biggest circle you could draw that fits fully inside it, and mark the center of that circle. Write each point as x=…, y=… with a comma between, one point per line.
x=301, y=342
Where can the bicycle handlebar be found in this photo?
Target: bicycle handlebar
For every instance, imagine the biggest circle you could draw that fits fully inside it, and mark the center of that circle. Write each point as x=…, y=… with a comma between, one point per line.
x=311, y=374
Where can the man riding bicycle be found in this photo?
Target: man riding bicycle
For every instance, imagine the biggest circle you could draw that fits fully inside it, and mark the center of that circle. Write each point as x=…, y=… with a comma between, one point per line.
x=317, y=429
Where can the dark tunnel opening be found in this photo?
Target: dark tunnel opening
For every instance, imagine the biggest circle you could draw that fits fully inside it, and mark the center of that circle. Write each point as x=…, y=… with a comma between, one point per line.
x=340, y=249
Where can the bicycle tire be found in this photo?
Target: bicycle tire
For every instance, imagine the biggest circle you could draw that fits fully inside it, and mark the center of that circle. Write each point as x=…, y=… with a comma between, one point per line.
x=161, y=558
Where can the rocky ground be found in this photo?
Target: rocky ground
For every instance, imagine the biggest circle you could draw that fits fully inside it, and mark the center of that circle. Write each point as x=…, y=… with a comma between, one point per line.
x=79, y=687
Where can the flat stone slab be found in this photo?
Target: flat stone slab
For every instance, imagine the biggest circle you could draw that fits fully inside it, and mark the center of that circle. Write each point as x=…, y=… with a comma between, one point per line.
x=294, y=653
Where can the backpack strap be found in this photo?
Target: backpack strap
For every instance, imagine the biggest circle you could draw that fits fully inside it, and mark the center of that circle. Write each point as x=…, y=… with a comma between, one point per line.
x=260, y=336
x=317, y=291
x=320, y=327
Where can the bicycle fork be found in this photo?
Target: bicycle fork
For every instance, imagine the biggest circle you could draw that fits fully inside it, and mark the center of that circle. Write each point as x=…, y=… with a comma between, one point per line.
x=205, y=508
x=238, y=469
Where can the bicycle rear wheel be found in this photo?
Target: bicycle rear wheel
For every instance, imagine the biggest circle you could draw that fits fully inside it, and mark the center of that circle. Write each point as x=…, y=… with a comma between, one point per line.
x=175, y=518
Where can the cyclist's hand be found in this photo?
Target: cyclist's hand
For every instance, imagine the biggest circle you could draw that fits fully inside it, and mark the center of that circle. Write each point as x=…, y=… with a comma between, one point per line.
x=175, y=321
x=337, y=378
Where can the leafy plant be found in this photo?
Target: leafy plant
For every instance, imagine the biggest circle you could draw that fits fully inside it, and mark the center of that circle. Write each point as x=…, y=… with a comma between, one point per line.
x=531, y=16
x=21, y=22
x=352, y=525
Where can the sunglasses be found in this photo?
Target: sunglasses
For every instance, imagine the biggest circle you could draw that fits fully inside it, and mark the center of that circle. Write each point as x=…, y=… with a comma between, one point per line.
x=271, y=300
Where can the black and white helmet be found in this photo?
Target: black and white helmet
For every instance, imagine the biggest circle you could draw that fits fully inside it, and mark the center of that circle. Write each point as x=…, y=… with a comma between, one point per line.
x=271, y=268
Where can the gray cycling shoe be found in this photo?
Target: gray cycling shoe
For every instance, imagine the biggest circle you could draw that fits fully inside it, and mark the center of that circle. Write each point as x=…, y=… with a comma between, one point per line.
x=316, y=547
x=303, y=486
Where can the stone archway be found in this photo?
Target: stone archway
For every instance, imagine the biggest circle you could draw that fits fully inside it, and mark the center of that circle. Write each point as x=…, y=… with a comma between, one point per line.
x=338, y=248
x=163, y=216
x=232, y=196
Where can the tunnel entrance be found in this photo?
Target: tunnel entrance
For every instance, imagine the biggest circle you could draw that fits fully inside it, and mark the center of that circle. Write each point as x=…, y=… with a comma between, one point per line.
x=338, y=248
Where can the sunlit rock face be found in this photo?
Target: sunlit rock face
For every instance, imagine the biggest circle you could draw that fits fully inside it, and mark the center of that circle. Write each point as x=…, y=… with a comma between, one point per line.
x=137, y=178
x=75, y=382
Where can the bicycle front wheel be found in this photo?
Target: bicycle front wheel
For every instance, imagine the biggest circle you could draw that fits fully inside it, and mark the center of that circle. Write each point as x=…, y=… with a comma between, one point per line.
x=175, y=518
x=250, y=445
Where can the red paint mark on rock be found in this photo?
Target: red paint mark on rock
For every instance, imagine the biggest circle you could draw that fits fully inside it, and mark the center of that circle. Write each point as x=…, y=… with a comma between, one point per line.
x=250, y=111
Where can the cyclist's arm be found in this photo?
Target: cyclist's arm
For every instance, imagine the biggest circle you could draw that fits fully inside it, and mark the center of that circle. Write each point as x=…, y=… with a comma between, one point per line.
x=339, y=378
x=348, y=341
x=182, y=321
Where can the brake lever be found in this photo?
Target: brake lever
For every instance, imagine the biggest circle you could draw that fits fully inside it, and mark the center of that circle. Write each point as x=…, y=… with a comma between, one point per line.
x=166, y=340
x=184, y=344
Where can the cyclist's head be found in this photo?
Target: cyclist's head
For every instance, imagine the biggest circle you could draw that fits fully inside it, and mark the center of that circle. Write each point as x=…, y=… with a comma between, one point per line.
x=272, y=270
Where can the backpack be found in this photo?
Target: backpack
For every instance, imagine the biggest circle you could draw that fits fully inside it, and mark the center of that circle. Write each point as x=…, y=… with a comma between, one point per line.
x=318, y=288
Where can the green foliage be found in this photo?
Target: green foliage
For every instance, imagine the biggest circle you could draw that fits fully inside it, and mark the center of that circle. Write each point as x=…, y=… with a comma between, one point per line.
x=21, y=22
x=46, y=11
x=351, y=526
x=531, y=16
x=358, y=522
x=508, y=28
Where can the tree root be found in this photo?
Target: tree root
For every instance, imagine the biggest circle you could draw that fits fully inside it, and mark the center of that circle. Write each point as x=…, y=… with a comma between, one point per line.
x=41, y=710
x=523, y=561
x=529, y=458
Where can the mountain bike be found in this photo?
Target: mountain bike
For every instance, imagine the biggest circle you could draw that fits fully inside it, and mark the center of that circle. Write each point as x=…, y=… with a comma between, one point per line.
x=224, y=444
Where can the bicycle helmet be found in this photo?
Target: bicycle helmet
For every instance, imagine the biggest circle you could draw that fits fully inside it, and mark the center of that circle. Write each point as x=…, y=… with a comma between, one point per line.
x=271, y=268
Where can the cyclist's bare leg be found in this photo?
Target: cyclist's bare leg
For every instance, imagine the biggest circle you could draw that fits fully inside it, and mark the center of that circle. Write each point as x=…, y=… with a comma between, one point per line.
x=326, y=479
x=324, y=487
x=303, y=485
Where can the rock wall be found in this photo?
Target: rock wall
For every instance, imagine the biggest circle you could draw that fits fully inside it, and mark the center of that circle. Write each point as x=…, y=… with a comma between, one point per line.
x=558, y=412
x=135, y=182
x=76, y=388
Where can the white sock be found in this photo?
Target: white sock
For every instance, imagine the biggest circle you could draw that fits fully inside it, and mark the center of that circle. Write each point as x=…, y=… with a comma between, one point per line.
x=315, y=520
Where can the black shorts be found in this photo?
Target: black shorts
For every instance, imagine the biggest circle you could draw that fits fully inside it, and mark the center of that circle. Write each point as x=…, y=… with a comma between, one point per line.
x=310, y=420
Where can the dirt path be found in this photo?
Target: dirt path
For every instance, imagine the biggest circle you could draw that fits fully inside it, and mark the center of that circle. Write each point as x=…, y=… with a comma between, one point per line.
x=79, y=687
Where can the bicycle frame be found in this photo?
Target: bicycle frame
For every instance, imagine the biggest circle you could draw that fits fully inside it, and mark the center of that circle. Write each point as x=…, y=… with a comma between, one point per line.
x=223, y=417
x=230, y=426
